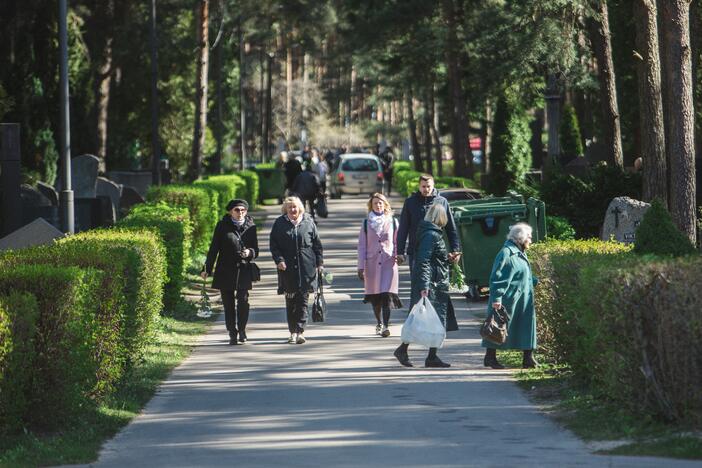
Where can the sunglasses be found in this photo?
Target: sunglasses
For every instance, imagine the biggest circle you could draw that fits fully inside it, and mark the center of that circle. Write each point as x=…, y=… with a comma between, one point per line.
x=239, y=210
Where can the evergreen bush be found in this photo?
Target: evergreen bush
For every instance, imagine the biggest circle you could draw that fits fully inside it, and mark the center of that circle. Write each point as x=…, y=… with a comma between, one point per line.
x=569, y=134
x=658, y=235
x=174, y=228
x=19, y=313
x=66, y=359
x=228, y=187
x=559, y=228
x=252, y=186
x=511, y=150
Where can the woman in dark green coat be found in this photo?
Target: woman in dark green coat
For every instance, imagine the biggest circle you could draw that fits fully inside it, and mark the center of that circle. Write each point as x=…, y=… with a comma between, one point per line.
x=430, y=276
x=512, y=286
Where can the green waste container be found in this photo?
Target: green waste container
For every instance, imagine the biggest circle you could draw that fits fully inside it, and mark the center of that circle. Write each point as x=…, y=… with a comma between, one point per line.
x=271, y=183
x=483, y=226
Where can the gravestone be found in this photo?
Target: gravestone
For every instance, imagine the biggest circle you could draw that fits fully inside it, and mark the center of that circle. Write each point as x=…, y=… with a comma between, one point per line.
x=49, y=192
x=107, y=188
x=108, y=211
x=32, y=197
x=129, y=198
x=623, y=216
x=84, y=172
x=138, y=180
x=38, y=232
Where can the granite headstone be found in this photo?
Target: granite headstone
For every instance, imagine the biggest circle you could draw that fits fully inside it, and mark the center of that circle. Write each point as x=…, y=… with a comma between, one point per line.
x=138, y=180
x=84, y=173
x=623, y=216
x=107, y=188
x=32, y=197
x=129, y=198
x=38, y=232
x=49, y=192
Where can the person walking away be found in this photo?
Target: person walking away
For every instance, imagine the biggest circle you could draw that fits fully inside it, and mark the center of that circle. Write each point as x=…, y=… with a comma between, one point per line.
x=512, y=286
x=388, y=159
x=322, y=171
x=430, y=276
x=293, y=168
x=377, y=262
x=234, y=246
x=307, y=188
x=297, y=252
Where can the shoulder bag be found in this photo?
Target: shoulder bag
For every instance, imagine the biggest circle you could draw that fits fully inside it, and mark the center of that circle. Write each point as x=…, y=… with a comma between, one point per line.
x=494, y=328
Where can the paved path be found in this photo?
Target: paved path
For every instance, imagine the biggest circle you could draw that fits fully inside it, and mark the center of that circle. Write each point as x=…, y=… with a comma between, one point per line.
x=342, y=399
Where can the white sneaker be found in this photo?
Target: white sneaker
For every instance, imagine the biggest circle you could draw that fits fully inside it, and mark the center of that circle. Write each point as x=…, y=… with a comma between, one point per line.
x=378, y=328
x=385, y=333
x=300, y=339
x=293, y=338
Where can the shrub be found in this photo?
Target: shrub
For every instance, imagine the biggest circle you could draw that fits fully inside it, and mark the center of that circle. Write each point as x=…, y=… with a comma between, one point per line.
x=200, y=203
x=18, y=321
x=559, y=228
x=252, y=186
x=406, y=181
x=511, y=151
x=569, y=134
x=137, y=260
x=657, y=234
x=174, y=229
x=227, y=187
x=67, y=358
x=460, y=182
x=584, y=201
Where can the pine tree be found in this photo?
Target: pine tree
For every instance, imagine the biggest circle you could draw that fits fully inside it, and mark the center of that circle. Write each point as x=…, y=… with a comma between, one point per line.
x=571, y=141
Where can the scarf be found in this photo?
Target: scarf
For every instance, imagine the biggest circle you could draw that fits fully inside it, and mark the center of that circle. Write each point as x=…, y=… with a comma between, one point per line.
x=376, y=221
x=295, y=223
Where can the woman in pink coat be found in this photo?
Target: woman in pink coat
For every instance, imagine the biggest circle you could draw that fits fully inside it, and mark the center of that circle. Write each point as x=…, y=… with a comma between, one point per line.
x=377, y=261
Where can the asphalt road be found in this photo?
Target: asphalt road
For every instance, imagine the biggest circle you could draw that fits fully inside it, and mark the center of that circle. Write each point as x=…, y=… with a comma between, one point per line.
x=342, y=399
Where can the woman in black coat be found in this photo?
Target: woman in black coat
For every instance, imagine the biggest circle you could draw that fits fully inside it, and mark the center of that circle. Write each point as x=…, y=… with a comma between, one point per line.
x=297, y=253
x=234, y=246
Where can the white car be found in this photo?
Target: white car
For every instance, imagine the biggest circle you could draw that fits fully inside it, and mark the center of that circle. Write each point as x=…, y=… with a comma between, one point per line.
x=356, y=173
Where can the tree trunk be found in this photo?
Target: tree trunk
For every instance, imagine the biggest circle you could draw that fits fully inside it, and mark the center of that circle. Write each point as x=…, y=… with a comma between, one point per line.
x=600, y=38
x=243, y=105
x=681, y=145
x=650, y=102
x=216, y=162
x=288, y=91
x=459, y=122
x=155, y=138
x=200, y=89
x=426, y=127
x=412, y=126
x=267, y=111
x=553, y=119
x=104, y=81
x=435, y=132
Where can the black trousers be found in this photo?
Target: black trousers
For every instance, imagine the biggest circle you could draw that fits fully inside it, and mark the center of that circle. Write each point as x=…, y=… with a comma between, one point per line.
x=236, y=310
x=296, y=308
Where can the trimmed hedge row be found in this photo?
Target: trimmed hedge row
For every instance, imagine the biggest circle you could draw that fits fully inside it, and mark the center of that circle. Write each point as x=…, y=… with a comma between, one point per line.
x=172, y=224
x=227, y=187
x=252, y=186
x=406, y=180
x=68, y=353
x=628, y=326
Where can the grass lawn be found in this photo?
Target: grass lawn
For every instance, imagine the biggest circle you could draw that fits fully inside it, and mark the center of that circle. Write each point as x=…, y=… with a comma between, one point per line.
x=595, y=419
x=81, y=443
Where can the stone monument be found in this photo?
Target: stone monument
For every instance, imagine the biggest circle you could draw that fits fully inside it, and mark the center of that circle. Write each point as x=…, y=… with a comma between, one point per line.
x=622, y=218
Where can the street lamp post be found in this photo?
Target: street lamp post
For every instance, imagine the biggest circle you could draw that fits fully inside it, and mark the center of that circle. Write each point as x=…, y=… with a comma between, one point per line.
x=67, y=219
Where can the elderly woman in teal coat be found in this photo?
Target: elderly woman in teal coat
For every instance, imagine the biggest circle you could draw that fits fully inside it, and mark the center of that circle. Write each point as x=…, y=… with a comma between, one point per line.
x=512, y=286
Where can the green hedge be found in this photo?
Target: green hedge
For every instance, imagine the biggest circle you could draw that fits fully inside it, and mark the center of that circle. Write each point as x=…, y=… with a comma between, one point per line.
x=201, y=204
x=136, y=259
x=252, y=186
x=406, y=180
x=628, y=326
x=68, y=354
x=19, y=313
x=173, y=225
x=228, y=187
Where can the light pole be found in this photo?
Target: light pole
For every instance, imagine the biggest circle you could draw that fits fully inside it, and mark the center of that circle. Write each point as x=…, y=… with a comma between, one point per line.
x=67, y=219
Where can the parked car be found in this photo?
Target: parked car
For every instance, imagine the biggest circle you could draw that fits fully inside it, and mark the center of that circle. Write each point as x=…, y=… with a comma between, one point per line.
x=455, y=194
x=356, y=173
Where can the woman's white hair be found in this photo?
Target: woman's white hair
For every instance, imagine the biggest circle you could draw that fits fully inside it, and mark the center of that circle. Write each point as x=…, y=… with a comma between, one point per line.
x=519, y=233
x=437, y=214
x=292, y=201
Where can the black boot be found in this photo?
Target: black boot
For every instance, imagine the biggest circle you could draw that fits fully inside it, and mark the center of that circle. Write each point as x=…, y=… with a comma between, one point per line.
x=242, y=336
x=232, y=339
x=491, y=359
x=528, y=361
x=433, y=360
x=402, y=356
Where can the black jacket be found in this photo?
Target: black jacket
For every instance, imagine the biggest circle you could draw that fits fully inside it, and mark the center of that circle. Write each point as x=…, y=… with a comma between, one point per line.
x=301, y=250
x=306, y=186
x=413, y=211
x=232, y=272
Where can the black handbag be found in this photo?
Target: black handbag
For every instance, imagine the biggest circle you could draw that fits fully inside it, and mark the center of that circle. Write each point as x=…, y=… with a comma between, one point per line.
x=494, y=328
x=319, y=306
x=320, y=207
x=255, y=272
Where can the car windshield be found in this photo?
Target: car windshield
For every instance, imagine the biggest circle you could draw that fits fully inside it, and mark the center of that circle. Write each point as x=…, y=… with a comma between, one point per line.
x=360, y=165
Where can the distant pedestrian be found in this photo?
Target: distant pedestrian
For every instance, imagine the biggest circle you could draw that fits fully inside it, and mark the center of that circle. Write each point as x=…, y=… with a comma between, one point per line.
x=377, y=261
x=512, y=286
x=292, y=169
x=234, y=246
x=307, y=188
x=430, y=276
x=297, y=253
x=388, y=160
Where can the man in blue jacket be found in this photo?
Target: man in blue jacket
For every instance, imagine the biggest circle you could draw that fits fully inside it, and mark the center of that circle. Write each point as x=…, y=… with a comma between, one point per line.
x=413, y=212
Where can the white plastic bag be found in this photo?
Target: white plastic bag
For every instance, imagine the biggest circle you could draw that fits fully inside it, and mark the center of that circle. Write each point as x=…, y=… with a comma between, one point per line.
x=423, y=326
